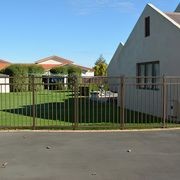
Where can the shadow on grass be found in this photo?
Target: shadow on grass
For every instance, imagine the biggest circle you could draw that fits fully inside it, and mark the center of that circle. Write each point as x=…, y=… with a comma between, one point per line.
x=83, y=110
x=86, y=111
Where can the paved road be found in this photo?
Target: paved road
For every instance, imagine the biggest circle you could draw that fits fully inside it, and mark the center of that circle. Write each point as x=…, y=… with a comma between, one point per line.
x=90, y=156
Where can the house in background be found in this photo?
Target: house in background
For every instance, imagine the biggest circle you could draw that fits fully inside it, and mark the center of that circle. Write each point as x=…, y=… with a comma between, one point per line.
x=152, y=49
x=4, y=79
x=4, y=83
x=53, y=61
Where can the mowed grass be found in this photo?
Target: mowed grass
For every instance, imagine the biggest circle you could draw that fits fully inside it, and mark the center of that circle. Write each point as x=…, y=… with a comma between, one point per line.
x=61, y=110
x=55, y=108
x=16, y=109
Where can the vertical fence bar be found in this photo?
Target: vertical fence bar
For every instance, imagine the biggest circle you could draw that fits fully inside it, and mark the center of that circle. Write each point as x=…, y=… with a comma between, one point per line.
x=33, y=103
x=164, y=101
x=75, y=102
x=122, y=93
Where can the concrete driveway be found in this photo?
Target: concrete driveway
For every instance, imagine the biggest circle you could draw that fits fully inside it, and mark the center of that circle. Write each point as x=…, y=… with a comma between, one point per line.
x=90, y=156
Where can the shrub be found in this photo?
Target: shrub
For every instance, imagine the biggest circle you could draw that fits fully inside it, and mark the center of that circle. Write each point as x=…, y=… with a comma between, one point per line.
x=74, y=78
x=21, y=77
x=36, y=71
x=73, y=73
x=18, y=77
x=74, y=70
x=16, y=70
x=60, y=70
x=37, y=83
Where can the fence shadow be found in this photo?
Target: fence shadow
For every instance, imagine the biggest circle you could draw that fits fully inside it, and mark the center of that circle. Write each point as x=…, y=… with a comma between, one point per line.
x=87, y=111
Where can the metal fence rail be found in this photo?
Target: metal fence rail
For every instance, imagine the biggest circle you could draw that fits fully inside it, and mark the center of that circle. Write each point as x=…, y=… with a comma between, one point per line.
x=94, y=102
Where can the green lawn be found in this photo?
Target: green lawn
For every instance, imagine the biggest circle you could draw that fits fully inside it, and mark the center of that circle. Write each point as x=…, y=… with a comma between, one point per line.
x=16, y=108
x=57, y=109
x=54, y=108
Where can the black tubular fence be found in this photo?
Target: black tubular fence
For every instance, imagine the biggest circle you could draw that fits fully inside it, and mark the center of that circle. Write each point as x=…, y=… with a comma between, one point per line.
x=70, y=102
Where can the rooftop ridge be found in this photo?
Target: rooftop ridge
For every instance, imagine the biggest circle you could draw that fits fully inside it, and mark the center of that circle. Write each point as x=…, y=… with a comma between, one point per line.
x=164, y=15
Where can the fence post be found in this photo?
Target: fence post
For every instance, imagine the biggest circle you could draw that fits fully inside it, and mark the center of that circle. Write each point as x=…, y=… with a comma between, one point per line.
x=122, y=93
x=164, y=101
x=33, y=104
x=76, y=104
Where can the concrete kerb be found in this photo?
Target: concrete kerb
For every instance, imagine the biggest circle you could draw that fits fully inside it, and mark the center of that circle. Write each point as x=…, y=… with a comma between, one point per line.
x=90, y=131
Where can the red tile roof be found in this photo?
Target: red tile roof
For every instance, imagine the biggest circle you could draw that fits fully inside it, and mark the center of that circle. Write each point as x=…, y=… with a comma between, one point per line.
x=49, y=66
x=4, y=64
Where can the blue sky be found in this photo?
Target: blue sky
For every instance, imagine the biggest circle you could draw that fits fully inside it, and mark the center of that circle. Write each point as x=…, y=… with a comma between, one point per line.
x=79, y=30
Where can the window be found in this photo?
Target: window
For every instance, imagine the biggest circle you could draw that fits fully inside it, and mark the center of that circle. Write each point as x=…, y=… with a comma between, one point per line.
x=141, y=72
x=147, y=26
x=147, y=75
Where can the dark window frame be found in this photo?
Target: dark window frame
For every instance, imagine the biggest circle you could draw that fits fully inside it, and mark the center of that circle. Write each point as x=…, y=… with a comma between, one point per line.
x=145, y=78
x=147, y=26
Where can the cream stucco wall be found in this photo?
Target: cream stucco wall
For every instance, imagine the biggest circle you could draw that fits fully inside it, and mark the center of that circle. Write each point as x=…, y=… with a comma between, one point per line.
x=51, y=61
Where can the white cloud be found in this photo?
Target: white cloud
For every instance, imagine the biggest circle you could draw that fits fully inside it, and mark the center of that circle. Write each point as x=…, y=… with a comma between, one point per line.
x=83, y=7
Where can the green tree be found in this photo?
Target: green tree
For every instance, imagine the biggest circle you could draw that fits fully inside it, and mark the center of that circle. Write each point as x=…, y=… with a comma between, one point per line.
x=35, y=69
x=21, y=79
x=60, y=70
x=74, y=70
x=18, y=77
x=16, y=70
x=74, y=73
x=100, y=68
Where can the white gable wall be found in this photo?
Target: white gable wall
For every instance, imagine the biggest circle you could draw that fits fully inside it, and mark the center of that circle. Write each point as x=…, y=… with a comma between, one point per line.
x=111, y=71
x=162, y=45
x=113, y=68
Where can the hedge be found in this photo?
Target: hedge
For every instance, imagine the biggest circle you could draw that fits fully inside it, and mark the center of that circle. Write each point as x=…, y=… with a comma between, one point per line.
x=21, y=77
